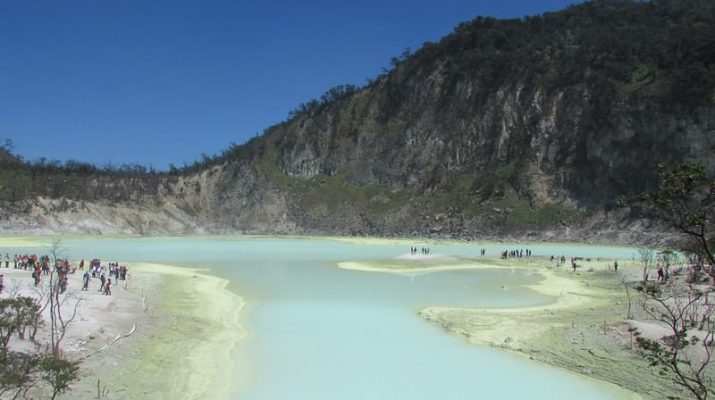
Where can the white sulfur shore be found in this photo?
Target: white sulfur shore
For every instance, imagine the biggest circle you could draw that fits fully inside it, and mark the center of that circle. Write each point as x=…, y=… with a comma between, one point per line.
x=164, y=333
x=515, y=328
x=196, y=342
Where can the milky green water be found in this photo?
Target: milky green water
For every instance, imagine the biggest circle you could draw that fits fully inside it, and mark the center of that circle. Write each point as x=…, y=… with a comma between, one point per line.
x=319, y=332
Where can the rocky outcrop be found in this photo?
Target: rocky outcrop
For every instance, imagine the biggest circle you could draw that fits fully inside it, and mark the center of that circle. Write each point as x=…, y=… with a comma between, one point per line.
x=61, y=216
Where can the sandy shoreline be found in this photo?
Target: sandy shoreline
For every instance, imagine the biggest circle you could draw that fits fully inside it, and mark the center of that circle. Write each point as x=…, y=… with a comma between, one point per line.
x=165, y=333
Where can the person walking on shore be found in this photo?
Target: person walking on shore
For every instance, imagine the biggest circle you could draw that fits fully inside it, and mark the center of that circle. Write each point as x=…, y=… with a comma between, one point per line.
x=85, y=279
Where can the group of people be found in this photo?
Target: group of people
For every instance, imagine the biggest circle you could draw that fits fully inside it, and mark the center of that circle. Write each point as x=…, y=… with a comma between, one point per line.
x=63, y=269
x=425, y=250
x=520, y=253
x=105, y=274
x=22, y=261
x=41, y=266
x=574, y=265
x=516, y=253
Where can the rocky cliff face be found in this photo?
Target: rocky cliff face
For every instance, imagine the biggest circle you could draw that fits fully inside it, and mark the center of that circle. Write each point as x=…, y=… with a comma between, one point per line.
x=523, y=127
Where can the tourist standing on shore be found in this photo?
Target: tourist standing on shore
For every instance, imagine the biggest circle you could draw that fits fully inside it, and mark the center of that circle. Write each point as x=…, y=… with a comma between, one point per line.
x=46, y=265
x=85, y=281
x=37, y=270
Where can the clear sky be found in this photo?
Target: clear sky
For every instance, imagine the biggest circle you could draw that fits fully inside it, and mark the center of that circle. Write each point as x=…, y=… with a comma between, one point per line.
x=163, y=81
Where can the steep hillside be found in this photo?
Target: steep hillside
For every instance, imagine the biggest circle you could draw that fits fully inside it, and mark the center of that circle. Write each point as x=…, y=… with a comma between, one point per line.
x=528, y=126
x=573, y=106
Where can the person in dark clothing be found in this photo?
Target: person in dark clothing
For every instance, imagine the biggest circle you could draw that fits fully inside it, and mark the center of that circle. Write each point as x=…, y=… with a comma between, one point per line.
x=85, y=280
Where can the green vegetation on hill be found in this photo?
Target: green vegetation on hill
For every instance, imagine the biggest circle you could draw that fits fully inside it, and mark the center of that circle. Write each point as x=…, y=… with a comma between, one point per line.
x=72, y=179
x=660, y=49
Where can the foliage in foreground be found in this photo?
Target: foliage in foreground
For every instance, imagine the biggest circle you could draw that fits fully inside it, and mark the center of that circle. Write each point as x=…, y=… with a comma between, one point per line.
x=19, y=371
x=683, y=355
x=685, y=200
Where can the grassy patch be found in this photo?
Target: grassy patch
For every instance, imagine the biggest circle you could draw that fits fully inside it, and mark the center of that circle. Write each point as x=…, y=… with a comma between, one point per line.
x=338, y=190
x=548, y=216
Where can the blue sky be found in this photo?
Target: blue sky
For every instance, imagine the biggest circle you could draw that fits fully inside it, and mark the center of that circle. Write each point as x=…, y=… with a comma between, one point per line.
x=160, y=82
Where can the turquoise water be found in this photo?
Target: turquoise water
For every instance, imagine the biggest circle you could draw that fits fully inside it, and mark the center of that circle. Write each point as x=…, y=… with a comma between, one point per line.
x=319, y=332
